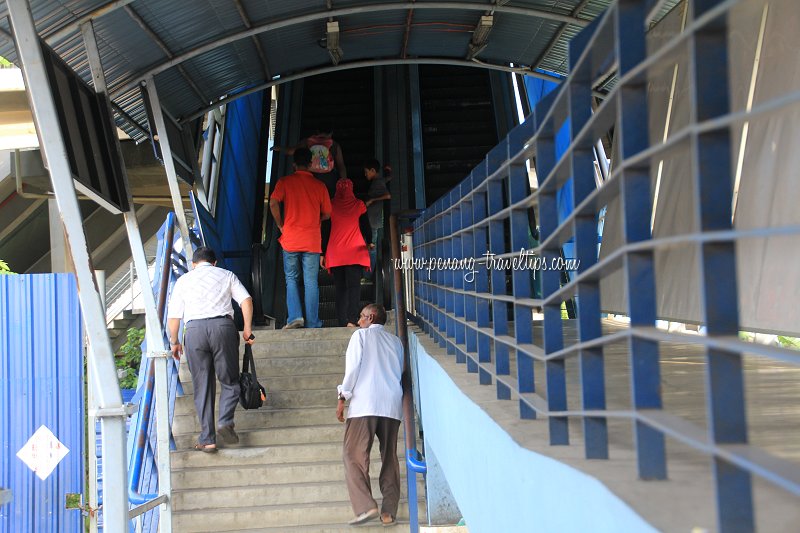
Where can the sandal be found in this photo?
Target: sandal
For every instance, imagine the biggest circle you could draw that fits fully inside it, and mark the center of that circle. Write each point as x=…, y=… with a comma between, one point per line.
x=388, y=520
x=205, y=448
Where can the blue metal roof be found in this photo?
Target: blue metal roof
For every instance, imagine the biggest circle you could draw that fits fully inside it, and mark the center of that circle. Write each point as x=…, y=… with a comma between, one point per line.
x=202, y=51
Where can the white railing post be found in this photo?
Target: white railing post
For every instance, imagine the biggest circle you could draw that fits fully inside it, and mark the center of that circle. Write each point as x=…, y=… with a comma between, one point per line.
x=160, y=360
x=154, y=333
x=169, y=166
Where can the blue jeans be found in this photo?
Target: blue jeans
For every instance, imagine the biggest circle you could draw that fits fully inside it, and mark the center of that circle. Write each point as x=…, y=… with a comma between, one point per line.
x=373, y=254
x=291, y=269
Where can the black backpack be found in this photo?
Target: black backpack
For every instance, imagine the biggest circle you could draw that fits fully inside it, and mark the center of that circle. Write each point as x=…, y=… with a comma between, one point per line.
x=251, y=393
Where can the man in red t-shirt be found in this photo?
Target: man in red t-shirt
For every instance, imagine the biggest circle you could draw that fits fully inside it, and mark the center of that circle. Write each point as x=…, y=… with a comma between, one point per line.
x=305, y=204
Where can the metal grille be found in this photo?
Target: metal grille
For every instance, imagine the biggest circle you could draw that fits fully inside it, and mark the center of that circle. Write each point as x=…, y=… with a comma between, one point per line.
x=482, y=313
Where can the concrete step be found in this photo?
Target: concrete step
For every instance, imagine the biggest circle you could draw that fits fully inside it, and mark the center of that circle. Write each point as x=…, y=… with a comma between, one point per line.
x=257, y=475
x=303, y=334
x=288, y=383
x=274, y=494
x=312, y=434
x=265, y=455
x=309, y=517
x=275, y=399
x=266, y=348
x=266, y=417
x=288, y=366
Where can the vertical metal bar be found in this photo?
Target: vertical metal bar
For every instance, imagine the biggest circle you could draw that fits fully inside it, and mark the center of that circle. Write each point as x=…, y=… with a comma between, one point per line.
x=409, y=424
x=592, y=371
x=521, y=284
x=154, y=332
x=169, y=166
x=160, y=360
x=208, y=153
x=639, y=267
x=480, y=235
x=91, y=419
x=416, y=136
x=497, y=246
x=555, y=371
x=102, y=361
x=713, y=184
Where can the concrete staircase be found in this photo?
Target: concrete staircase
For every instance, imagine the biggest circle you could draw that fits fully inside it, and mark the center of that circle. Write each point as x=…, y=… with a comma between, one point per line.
x=286, y=474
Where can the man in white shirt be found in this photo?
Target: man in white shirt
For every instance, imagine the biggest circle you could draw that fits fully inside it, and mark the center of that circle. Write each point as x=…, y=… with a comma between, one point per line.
x=202, y=299
x=371, y=383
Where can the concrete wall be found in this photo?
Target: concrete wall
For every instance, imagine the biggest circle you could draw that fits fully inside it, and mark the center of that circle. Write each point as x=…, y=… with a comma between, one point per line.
x=499, y=485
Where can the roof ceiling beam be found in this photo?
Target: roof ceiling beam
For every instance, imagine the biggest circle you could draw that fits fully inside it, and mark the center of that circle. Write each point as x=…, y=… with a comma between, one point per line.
x=161, y=44
x=557, y=36
x=256, y=42
x=134, y=80
x=366, y=63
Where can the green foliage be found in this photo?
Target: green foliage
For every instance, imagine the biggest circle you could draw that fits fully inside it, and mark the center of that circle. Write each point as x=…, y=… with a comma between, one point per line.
x=129, y=358
x=789, y=342
x=4, y=268
x=5, y=62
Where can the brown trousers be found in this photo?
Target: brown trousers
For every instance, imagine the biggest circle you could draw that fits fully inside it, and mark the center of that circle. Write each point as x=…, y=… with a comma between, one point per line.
x=358, y=436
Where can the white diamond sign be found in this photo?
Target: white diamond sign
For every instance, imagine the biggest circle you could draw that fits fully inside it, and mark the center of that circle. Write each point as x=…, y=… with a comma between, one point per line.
x=42, y=452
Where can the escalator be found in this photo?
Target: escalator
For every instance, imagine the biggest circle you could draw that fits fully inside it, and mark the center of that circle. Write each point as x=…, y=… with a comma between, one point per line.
x=345, y=100
x=458, y=124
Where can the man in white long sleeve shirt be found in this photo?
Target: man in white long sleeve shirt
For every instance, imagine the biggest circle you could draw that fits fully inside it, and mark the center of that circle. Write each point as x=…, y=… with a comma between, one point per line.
x=371, y=383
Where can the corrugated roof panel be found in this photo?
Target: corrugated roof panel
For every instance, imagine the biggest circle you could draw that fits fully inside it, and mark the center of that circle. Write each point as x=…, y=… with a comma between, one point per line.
x=199, y=20
x=41, y=384
x=125, y=52
x=294, y=49
x=175, y=93
x=128, y=52
x=518, y=40
x=260, y=11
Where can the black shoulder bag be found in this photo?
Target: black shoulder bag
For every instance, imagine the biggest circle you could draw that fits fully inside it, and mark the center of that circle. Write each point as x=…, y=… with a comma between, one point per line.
x=251, y=393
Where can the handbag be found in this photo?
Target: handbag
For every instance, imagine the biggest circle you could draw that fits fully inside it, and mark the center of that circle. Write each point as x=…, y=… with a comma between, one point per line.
x=251, y=393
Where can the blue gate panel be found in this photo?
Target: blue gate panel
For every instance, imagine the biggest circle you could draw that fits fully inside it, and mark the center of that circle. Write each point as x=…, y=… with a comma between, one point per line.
x=41, y=383
x=238, y=179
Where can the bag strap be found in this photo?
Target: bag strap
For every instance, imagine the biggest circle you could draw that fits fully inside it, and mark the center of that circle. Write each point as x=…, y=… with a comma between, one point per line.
x=247, y=361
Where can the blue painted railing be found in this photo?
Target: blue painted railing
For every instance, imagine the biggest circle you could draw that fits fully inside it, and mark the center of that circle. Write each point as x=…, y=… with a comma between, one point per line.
x=142, y=439
x=466, y=309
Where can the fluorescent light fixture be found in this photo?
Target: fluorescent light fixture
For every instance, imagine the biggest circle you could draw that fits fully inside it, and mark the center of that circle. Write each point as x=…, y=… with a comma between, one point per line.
x=480, y=36
x=332, y=42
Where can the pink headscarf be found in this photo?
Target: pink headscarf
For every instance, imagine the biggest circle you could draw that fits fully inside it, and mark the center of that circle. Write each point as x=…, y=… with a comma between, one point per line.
x=344, y=202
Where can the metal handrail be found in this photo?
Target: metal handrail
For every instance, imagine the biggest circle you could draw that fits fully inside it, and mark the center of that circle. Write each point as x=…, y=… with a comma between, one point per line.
x=413, y=464
x=142, y=429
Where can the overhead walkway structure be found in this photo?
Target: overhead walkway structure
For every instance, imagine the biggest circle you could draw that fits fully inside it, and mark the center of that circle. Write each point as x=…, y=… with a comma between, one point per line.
x=692, y=103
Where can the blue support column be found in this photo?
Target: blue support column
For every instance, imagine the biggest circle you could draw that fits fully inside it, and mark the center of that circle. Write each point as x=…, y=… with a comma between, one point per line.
x=639, y=268
x=713, y=180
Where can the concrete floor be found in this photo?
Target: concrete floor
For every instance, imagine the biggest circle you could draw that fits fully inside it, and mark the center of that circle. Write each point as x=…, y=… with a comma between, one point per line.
x=686, y=501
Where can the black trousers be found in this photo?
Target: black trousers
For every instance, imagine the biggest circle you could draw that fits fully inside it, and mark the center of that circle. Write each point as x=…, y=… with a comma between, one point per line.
x=347, y=281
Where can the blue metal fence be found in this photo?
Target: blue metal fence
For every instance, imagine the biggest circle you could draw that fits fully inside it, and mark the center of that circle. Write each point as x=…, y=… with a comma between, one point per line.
x=467, y=309
x=41, y=383
x=142, y=438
